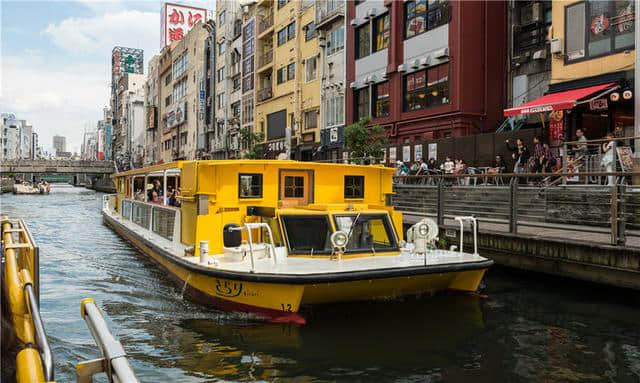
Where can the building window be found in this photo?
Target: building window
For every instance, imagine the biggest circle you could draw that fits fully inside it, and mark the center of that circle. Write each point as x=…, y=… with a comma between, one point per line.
x=291, y=71
x=353, y=187
x=426, y=88
x=282, y=3
x=282, y=36
x=363, y=36
x=276, y=125
x=598, y=28
x=235, y=109
x=167, y=80
x=309, y=31
x=222, y=47
x=293, y=187
x=247, y=109
x=334, y=111
x=167, y=100
x=420, y=17
x=381, y=97
x=221, y=18
x=291, y=31
x=381, y=32
x=310, y=68
x=362, y=103
x=335, y=40
x=311, y=119
x=183, y=138
x=221, y=74
x=250, y=185
x=180, y=90
x=236, y=82
x=180, y=66
x=221, y=101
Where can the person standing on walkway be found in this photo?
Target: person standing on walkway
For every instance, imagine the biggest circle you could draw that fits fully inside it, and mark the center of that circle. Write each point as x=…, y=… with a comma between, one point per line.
x=607, y=159
x=520, y=153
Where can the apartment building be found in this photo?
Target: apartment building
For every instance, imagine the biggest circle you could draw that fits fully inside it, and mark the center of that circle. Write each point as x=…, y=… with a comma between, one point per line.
x=10, y=137
x=248, y=90
x=592, y=71
x=228, y=80
x=182, y=77
x=330, y=25
x=426, y=69
x=287, y=79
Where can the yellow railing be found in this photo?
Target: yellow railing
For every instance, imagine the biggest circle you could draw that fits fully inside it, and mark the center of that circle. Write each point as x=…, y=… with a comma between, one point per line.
x=34, y=362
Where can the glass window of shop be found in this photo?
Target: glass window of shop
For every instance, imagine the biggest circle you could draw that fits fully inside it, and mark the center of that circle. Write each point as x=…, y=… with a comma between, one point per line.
x=381, y=99
x=362, y=103
x=422, y=15
x=381, y=32
x=598, y=28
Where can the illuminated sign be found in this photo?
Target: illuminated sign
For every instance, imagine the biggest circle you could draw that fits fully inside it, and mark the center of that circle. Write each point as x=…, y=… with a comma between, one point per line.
x=177, y=20
x=126, y=60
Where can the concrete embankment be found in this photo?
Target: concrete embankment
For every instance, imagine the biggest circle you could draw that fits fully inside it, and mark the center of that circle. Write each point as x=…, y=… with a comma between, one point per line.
x=102, y=184
x=6, y=185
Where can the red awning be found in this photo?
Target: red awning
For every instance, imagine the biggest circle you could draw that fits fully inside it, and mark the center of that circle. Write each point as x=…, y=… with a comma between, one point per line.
x=556, y=101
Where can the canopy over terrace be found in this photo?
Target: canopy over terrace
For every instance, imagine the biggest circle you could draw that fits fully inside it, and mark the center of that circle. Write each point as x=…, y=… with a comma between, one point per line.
x=561, y=100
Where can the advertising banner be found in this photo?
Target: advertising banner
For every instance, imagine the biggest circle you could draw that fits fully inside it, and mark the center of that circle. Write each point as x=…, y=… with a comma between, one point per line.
x=177, y=20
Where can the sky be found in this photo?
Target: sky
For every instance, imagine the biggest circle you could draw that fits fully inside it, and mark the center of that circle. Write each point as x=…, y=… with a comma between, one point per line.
x=55, y=59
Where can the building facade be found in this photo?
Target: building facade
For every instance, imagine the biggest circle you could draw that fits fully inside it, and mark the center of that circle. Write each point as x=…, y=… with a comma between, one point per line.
x=182, y=76
x=248, y=89
x=426, y=70
x=228, y=79
x=59, y=145
x=331, y=26
x=128, y=119
x=594, y=45
x=10, y=136
x=151, y=100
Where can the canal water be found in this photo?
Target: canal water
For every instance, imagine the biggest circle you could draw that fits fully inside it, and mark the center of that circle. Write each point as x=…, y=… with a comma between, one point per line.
x=528, y=328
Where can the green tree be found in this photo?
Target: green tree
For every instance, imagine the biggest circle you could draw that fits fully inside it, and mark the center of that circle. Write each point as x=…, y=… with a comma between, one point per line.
x=251, y=141
x=364, y=142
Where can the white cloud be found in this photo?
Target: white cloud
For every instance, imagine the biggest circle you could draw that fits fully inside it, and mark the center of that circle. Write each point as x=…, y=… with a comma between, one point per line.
x=100, y=33
x=55, y=101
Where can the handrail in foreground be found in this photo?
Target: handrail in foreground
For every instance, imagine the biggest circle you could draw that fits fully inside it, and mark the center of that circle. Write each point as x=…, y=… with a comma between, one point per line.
x=114, y=359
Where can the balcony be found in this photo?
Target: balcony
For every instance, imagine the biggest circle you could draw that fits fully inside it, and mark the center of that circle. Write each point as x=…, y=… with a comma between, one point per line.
x=265, y=94
x=265, y=23
x=235, y=69
x=265, y=59
x=329, y=11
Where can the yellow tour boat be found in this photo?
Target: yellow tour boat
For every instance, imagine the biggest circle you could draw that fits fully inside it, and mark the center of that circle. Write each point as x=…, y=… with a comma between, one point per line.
x=272, y=236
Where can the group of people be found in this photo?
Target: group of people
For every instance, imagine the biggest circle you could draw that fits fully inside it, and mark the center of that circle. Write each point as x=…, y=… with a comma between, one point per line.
x=543, y=159
x=155, y=194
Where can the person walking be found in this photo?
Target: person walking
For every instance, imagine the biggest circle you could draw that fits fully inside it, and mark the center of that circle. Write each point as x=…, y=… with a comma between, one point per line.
x=607, y=159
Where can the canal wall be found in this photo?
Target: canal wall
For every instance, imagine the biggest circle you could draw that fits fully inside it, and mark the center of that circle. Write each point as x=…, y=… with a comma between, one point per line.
x=102, y=184
x=6, y=185
x=574, y=258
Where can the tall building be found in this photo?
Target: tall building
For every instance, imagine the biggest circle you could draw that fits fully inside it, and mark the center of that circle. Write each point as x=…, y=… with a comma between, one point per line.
x=36, y=150
x=592, y=71
x=331, y=24
x=287, y=81
x=248, y=89
x=10, y=137
x=126, y=132
x=228, y=79
x=59, y=145
x=126, y=74
x=426, y=70
x=151, y=97
x=182, y=71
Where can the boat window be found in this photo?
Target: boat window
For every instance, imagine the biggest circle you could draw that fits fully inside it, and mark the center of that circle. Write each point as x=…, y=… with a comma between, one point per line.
x=138, y=188
x=294, y=187
x=307, y=234
x=275, y=231
x=250, y=185
x=371, y=232
x=353, y=186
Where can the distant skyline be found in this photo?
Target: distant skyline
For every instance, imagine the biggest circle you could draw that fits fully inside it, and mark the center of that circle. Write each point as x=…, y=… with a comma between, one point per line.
x=55, y=59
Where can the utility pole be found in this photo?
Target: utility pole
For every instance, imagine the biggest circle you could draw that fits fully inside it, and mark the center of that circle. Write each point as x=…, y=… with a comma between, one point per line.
x=636, y=98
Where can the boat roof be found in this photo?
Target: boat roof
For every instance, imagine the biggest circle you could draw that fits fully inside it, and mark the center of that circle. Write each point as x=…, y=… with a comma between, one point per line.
x=275, y=163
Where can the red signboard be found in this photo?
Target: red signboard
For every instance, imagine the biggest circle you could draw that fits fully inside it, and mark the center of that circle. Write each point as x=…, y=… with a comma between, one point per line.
x=177, y=21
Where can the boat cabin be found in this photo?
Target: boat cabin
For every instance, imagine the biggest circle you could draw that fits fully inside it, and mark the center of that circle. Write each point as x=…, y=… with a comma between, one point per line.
x=297, y=204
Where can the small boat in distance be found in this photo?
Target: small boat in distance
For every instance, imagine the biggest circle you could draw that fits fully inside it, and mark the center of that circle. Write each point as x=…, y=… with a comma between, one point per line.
x=30, y=188
x=272, y=236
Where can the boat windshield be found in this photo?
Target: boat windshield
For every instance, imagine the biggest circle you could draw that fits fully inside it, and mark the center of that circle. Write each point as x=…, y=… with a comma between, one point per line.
x=371, y=232
x=307, y=234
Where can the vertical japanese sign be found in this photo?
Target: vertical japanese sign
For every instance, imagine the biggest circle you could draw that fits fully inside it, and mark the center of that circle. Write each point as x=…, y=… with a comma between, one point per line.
x=177, y=20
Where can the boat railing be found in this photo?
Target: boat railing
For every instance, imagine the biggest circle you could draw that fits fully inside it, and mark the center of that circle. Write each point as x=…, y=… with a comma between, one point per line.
x=20, y=284
x=114, y=362
x=474, y=227
x=162, y=220
x=248, y=227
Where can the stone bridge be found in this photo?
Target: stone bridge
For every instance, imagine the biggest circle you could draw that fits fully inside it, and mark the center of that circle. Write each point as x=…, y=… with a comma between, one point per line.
x=75, y=171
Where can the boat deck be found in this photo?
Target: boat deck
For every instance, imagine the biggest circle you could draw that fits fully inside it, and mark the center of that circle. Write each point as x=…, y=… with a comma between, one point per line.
x=297, y=265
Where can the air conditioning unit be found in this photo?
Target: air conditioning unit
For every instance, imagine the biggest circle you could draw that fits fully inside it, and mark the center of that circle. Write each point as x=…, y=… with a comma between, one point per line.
x=540, y=54
x=440, y=53
x=556, y=45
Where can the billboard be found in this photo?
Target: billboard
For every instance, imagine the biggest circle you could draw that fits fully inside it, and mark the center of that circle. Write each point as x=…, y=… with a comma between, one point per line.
x=126, y=60
x=177, y=20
